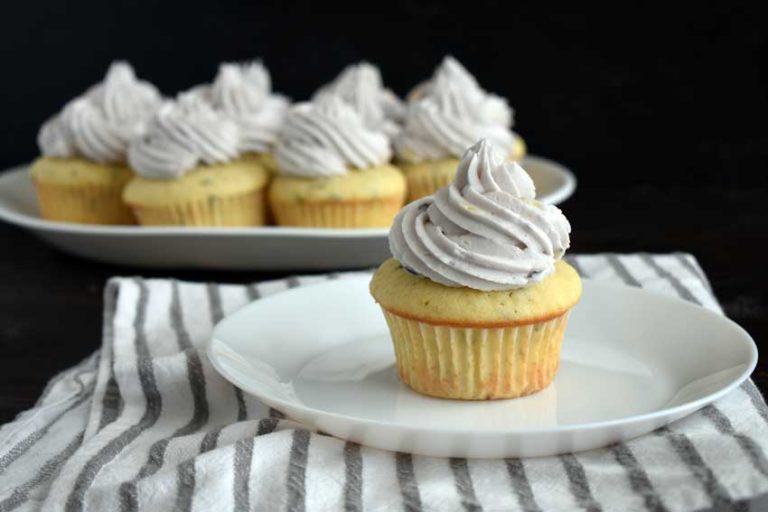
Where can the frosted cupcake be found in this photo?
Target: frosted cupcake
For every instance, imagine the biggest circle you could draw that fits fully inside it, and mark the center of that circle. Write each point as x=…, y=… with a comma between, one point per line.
x=446, y=115
x=360, y=85
x=477, y=296
x=333, y=170
x=82, y=172
x=190, y=171
x=243, y=94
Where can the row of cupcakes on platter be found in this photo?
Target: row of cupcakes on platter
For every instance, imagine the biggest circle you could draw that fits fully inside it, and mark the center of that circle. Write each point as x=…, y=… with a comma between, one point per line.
x=234, y=153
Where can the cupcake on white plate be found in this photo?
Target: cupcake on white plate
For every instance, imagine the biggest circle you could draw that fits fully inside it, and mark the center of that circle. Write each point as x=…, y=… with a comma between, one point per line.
x=445, y=115
x=477, y=294
x=82, y=171
x=361, y=86
x=243, y=93
x=191, y=170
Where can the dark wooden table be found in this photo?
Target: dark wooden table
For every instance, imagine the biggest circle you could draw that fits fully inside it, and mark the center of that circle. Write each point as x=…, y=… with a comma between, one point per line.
x=50, y=303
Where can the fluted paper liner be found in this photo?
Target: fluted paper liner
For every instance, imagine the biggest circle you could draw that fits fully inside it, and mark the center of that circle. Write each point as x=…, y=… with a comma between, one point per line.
x=422, y=184
x=237, y=210
x=87, y=204
x=337, y=214
x=475, y=363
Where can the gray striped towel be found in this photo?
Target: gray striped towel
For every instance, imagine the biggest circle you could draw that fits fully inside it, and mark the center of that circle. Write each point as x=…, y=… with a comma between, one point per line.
x=147, y=424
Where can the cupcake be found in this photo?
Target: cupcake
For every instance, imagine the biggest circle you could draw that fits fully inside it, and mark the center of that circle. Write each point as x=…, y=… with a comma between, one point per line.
x=190, y=171
x=82, y=172
x=333, y=170
x=445, y=115
x=243, y=94
x=477, y=296
x=360, y=85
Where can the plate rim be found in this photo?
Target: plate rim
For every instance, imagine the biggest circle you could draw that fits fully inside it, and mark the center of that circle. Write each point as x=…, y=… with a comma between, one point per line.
x=665, y=414
x=569, y=186
x=42, y=225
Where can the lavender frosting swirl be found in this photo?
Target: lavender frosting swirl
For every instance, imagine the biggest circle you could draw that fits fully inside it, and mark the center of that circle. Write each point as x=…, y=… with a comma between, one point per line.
x=326, y=138
x=182, y=135
x=484, y=231
x=492, y=109
x=100, y=124
x=243, y=92
x=362, y=87
x=449, y=113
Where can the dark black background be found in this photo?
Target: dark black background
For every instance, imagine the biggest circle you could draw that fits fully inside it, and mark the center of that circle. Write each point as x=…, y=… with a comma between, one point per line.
x=624, y=94
x=660, y=110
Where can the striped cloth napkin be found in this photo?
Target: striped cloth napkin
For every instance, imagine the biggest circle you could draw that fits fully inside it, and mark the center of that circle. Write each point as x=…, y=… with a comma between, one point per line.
x=147, y=424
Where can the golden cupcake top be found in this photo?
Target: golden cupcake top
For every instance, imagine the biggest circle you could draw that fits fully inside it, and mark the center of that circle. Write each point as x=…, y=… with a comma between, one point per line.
x=75, y=172
x=208, y=182
x=410, y=296
x=380, y=182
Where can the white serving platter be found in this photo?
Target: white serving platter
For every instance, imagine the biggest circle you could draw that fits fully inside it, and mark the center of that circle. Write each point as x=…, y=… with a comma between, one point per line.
x=257, y=248
x=632, y=361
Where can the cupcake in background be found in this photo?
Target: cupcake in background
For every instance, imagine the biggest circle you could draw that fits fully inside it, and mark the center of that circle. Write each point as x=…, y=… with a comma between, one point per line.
x=191, y=171
x=446, y=115
x=477, y=296
x=493, y=109
x=361, y=86
x=334, y=170
x=243, y=93
x=82, y=171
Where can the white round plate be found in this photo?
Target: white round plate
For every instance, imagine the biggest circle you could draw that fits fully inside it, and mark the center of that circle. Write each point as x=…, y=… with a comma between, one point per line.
x=632, y=361
x=257, y=248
